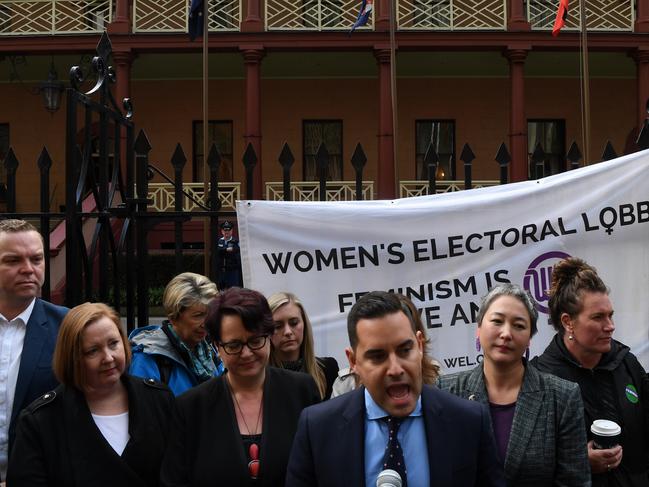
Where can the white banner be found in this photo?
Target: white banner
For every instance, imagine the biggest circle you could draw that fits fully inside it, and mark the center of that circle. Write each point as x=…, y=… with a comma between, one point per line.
x=445, y=251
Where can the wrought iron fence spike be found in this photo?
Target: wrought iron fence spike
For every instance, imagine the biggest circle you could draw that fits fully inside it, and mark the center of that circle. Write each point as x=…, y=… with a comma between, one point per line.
x=214, y=157
x=574, y=155
x=249, y=157
x=467, y=155
x=142, y=145
x=359, y=159
x=178, y=158
x=322, y=156
x=44, y=160
x=609, y=152
x=286, y=158
x=538, y=155
x=431, y=156
x=11, y=162
x=503, y=157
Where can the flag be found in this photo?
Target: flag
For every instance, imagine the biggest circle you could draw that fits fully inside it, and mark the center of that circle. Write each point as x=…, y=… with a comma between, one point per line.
x=364, y=14
x=562, y=15
x=196, y=19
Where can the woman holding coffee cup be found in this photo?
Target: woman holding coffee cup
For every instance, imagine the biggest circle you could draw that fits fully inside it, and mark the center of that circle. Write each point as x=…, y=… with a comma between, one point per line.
x=613, y=383
x=537, y=418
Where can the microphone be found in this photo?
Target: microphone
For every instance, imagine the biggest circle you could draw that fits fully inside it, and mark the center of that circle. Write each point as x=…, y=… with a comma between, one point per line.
x=388, y=478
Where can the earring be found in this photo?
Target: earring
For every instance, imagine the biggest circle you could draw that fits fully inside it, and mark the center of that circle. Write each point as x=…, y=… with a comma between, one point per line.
x=527, y=353
x=570, y=337
x=477, y=344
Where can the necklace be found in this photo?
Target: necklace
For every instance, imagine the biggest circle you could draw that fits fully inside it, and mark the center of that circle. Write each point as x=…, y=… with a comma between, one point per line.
x=253, y=449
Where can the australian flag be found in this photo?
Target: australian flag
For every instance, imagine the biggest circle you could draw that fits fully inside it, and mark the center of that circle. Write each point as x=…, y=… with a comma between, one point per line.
x=196, y=19
x=364, y=14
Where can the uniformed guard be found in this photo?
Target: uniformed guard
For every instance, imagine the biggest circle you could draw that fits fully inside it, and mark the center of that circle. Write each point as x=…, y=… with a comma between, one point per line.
x=228, y=258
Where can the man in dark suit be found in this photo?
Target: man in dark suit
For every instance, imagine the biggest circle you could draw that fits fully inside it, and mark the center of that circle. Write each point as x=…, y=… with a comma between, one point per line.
x=394, y=422
x=28, y=327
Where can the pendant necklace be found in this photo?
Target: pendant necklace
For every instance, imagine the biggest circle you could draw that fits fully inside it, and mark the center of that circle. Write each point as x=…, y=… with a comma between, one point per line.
x=253, y=450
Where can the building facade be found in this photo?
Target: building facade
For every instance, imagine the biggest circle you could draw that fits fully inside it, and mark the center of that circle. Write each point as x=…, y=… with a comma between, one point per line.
x=422, y=73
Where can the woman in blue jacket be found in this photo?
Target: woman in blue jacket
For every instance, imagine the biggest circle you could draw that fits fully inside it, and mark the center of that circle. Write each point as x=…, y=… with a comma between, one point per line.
x=177, y=352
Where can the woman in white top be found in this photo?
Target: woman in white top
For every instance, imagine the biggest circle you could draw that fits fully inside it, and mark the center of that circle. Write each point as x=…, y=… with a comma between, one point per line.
x=100, y=427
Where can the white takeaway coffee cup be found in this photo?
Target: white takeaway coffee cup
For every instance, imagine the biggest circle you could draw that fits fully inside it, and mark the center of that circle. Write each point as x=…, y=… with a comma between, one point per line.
x=606, y=434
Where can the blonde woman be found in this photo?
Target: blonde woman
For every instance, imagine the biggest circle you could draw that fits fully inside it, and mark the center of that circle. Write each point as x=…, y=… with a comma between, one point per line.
x=177, y=353
x=292, y=343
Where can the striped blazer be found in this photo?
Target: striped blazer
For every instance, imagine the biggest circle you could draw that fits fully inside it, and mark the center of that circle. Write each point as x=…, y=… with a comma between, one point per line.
x=547, y=443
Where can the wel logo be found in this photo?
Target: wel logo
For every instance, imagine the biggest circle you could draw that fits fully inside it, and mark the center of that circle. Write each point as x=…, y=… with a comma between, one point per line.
x=538, y=277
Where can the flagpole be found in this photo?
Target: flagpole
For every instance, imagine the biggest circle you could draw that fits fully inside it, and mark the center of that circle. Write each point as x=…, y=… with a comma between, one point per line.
x=393, y=92
x=206, y=223
x=585, y=82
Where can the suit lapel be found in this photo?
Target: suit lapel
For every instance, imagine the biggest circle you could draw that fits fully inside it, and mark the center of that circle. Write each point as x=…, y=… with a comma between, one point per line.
x=35, y=336
x=476, y=390
x=436, y=431
x=352, y=438
x=528, y=406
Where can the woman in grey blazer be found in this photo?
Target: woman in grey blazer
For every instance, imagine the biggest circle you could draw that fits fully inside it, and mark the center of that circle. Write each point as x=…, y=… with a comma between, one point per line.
x=537, y=418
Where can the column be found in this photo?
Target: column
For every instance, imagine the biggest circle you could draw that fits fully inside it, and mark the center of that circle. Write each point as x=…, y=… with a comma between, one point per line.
x=642, y=16
x=253, y=21
x=517, y=20
x=386, y=181
x=382, y=14
x=121, y=23
x=517, y=121
x=641, y=57
x=252, y=59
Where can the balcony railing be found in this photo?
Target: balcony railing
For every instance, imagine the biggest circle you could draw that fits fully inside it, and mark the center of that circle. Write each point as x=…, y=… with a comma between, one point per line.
x=452, y=14
x=315, y=15
x=602, y=15
x=162, y=196
x=310, y=191
x=47, y=17
x=420, y=188
x=165, y=16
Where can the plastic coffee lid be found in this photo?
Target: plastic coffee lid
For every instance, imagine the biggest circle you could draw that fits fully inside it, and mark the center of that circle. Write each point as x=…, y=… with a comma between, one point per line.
x=604, y=427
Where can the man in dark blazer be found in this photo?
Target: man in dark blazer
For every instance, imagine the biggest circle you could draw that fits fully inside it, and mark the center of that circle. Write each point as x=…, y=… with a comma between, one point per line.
x=28, y=327
x=443, y=440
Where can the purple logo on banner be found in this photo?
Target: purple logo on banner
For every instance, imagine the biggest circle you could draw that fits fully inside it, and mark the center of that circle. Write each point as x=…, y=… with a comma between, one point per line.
x=538, y=277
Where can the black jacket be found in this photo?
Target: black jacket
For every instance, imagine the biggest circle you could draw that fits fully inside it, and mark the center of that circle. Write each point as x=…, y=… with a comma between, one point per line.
x=205, y=448
x=619, y=377
x=58, y=444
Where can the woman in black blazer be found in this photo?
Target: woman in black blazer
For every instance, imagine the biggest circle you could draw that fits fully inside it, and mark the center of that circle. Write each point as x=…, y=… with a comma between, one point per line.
x=100, y=427
x=292, y=343
x=238, y=429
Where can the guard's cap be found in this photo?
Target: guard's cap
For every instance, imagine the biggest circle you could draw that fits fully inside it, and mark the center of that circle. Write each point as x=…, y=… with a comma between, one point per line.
x=226, y=225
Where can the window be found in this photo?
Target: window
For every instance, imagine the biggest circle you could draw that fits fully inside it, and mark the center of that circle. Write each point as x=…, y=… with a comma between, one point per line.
x=220, y=133
x=4, y=148
x=552, y=136
x=441, y=134
x=329, y=132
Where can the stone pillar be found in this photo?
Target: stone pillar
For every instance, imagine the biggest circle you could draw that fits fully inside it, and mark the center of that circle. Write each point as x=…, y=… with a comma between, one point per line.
x=517, y=121
x=386, y=181
x=121, y=24
x=517, y=20
x=252, y=57
x=253, y=21
x=642, y=16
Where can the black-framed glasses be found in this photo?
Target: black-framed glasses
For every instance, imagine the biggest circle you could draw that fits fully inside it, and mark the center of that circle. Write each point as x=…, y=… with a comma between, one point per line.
x=235, y=347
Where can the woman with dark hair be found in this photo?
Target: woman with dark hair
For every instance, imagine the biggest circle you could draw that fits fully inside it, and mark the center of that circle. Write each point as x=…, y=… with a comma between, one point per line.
x=613, y=384
x=347, y=380
x=237, y=429
x=292, y=343
x=537, y=418
x=100, y=427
